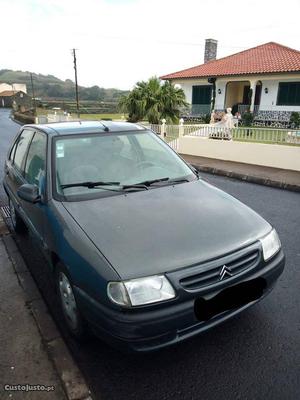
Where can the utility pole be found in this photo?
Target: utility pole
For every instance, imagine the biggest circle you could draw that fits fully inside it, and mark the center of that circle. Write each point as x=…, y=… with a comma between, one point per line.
x=76, y=84
x=33, y=95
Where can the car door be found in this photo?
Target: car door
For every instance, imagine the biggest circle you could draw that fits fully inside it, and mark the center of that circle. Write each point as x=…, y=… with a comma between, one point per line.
x=14, y=166
x=35, y=174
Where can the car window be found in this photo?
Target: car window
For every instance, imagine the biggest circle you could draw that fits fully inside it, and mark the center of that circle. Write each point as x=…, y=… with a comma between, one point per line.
x=127, y=158
x=22, y=146
x=36, y=160
x=12, y=152
x=151, y=149
x=128, y=150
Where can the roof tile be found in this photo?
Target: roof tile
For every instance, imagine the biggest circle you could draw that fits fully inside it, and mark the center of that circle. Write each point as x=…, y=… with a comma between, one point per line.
x=267, y=58
x=7, y=93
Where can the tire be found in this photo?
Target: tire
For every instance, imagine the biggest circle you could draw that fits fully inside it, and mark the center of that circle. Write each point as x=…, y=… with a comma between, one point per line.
x=17, y=222
x=73, y=320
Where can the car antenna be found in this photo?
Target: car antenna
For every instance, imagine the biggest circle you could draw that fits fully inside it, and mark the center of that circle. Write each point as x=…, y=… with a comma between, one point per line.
x=105, y=127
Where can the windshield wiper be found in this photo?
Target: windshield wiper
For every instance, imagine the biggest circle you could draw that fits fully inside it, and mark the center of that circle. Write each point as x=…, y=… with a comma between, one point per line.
x=89, y=185
x=140, y=185
x=104, y=186
x=145, y=184
x=179, y=180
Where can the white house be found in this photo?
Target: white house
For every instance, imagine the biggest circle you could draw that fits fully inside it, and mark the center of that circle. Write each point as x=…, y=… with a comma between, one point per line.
x=264, y=80
x=16, y=87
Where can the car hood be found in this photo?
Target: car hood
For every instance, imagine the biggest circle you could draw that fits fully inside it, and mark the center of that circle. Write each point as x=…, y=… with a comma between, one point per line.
x=166, y=228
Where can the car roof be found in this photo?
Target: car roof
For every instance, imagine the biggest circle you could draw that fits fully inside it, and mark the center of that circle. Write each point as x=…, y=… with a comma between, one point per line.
x=81, y=127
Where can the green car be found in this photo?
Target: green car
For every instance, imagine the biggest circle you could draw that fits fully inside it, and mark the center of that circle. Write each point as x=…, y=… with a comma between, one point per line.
x=142, y=250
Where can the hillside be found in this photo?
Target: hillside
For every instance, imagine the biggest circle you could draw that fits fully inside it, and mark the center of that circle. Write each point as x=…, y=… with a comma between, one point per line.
x=48, y=87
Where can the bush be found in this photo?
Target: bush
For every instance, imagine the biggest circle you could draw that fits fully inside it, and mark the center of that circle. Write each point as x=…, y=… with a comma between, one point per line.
x=206, y=119
x=24, y=118
x=247, y=118
x=295, y=120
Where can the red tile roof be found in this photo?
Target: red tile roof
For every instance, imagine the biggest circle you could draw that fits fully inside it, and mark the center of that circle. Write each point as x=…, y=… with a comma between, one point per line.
x=267, y=58
x=7, y=93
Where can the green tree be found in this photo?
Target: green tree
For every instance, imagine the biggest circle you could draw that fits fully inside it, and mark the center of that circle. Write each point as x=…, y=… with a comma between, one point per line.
x=134, y=104
x=153, y=100
x=295, y=119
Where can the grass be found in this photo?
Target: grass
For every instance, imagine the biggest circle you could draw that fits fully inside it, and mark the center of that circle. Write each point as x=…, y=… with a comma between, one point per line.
x=250, y=139
x=263, y=135
x=121, y=117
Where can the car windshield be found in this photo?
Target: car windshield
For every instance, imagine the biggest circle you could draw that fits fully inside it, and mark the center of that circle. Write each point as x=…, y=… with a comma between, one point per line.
x=112, y=162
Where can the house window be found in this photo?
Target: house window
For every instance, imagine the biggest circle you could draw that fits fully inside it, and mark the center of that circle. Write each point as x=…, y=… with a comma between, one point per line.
x=201, y=94
x=288, y=94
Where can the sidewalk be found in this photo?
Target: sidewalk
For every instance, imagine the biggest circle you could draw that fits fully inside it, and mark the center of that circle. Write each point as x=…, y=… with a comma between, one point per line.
x=31, y=349
x=275, y=177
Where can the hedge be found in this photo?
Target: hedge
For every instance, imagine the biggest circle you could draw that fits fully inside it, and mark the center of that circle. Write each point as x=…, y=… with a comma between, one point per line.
x=24, y=118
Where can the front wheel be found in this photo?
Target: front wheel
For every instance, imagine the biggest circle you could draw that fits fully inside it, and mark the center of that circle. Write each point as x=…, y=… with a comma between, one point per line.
x=17, y=222
x=71, y=313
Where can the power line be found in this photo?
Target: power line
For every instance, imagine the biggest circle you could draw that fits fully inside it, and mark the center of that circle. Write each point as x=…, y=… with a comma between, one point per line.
x=170, y=42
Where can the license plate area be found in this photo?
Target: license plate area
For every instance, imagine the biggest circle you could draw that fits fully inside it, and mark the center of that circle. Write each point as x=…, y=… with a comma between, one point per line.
x=230, y=298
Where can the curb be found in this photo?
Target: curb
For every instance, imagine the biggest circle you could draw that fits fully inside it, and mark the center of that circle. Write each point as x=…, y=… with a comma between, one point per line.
x=249, y=178
x=3, y=227
x=73, y=382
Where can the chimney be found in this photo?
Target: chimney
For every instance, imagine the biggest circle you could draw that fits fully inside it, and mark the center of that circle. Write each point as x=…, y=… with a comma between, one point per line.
x=210, y=52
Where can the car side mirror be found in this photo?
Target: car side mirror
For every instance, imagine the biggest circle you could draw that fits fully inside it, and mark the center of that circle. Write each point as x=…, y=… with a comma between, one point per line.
x=29, y=193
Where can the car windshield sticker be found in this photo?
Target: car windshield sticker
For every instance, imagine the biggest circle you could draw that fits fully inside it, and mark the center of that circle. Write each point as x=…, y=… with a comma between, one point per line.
x=60, y=150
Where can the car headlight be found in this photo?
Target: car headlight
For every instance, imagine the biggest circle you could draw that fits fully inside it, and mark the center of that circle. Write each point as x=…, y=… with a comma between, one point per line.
x=270, y=244
x=137, y=292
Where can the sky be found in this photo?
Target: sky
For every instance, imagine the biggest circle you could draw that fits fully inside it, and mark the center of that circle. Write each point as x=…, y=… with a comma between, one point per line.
x=120, y=42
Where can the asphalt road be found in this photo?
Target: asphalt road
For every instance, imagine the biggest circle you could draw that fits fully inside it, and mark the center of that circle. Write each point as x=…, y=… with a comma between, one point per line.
x=254, y=356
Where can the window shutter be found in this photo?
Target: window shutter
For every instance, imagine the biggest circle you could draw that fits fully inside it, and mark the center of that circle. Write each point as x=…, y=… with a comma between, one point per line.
x=288, y=94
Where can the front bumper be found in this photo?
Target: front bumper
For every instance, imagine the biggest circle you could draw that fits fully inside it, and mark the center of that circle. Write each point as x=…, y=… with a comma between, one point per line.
x=146, y=329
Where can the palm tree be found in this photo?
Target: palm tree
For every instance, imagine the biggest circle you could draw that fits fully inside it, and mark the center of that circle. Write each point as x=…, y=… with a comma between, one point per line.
x=172, y=99
x=153, y=101
x=134, y=104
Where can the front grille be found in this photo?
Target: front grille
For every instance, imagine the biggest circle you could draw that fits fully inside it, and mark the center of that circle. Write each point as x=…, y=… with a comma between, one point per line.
x=210, y=274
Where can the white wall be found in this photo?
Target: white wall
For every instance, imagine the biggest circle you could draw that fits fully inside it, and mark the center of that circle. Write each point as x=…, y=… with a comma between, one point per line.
x=187, y=86
x=19, y=87
x=220, y=98
x=270, y=155
x=15, y=87
x=268, y=101
x=4, y=87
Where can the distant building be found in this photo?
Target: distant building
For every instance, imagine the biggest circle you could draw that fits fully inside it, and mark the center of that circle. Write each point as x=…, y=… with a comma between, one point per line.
x=19, y=100
x=15, y=87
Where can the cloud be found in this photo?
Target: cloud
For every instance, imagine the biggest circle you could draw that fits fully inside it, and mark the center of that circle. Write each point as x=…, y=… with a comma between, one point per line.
x=122, y=41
